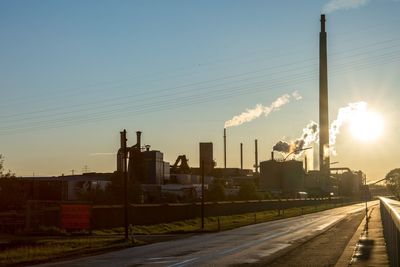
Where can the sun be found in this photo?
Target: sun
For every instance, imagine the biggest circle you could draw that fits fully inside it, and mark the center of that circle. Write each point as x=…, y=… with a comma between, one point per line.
x=366, y=125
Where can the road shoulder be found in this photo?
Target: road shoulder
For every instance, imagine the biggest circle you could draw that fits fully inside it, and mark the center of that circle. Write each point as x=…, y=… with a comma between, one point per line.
x=321, y=250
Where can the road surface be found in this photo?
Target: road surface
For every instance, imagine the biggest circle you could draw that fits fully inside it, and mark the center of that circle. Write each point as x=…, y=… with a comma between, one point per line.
x=249, y=244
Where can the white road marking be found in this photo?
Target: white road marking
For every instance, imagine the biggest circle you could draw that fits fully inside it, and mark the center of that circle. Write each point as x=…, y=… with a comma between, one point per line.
x=250, y=243
x=182, y=263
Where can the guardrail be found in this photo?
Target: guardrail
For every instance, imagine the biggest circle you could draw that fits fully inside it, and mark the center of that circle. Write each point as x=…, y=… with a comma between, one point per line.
x=390, y=214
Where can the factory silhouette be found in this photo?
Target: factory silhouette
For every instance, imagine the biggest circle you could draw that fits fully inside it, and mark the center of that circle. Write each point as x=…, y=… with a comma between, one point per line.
x=147, y=169
x=143, y=177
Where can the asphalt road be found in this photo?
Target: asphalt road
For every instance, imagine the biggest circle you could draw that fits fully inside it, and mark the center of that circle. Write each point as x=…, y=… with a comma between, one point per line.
x=244, y=245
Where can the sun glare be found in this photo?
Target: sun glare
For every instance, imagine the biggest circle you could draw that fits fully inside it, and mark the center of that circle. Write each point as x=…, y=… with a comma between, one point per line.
x=366, y=125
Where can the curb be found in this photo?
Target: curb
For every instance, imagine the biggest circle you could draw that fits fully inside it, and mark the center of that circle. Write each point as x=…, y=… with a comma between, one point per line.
x=348, y=252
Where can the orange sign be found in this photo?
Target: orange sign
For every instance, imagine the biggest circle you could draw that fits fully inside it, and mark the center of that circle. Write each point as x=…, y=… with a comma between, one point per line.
x=75, y=216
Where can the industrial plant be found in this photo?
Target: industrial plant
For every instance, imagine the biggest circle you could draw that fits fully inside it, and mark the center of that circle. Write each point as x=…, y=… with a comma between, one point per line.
x=157, y=180
x=161, y=181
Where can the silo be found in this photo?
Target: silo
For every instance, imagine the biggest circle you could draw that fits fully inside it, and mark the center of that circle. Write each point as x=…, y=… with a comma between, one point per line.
x=206, y=157
x=292, y=176
x=270, y=175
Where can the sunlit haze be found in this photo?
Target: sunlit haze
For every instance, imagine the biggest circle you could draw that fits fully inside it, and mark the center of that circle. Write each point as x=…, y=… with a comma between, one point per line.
x=366, y=126
x=73, y=74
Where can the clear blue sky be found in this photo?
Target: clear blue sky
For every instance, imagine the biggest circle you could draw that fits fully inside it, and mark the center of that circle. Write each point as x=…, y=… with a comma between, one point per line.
x=75, y=73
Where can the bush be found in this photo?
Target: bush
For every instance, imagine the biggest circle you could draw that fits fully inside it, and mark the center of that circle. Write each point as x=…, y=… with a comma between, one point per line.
x=216, y=192
x=393, y=182
x=248, y=191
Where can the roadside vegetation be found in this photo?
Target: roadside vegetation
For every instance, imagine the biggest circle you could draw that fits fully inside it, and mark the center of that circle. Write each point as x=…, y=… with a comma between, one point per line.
x=54, y=244
x=393, y=182
x=27, y=250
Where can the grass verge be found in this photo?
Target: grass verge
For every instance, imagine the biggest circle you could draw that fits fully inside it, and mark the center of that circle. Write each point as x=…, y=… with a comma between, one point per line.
x=24, y=250
x=211, y=224
x=44, y=249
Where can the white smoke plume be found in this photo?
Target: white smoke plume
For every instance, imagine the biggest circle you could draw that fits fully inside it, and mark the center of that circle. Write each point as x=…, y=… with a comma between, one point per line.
x=335, y=5
x=258, y=110
x=311, y=131
x=344, y=115
x=308, y=137
x=296, y=95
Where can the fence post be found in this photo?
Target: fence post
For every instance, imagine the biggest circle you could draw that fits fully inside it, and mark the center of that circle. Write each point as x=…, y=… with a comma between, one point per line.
x=28, y=219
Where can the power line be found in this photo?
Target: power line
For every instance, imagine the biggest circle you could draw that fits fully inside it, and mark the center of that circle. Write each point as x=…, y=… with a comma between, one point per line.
x=165, y=105
x=257, y=54
x=11, y=117
x=163, y=101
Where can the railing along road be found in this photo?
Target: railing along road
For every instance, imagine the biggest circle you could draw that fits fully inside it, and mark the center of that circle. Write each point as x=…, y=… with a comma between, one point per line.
x=390, y=213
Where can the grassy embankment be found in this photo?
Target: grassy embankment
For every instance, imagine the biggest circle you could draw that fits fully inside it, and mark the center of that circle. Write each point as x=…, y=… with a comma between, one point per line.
x=39, y=249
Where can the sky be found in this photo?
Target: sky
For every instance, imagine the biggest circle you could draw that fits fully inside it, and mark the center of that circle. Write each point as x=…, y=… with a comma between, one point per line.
x=73, y=74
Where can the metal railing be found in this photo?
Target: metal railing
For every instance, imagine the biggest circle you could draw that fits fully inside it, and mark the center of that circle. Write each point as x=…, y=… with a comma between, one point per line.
x=390, y=214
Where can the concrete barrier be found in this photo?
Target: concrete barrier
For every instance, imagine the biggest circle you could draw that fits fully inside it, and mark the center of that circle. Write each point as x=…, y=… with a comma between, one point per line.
x=390, y=213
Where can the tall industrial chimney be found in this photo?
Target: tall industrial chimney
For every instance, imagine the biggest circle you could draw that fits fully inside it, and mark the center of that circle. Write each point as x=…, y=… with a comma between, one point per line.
x=138, y=142
x=323, y=101
x=256, y=155
x=121, y=155
x=241, y=156
x=224, y=148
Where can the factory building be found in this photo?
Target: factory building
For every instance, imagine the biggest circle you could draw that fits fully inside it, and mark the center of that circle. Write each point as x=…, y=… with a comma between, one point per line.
x=206, y=157
x=144, y=167
x=286, y=178
x=65, y=187
x=350, y=183
x=156, y=170
x=316, y=184
x=282, y=177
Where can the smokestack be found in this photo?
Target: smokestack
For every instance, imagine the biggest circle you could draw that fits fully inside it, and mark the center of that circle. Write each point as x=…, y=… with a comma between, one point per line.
x=323, y=101
x=256, y=155
x=241, y=156
x=138, y=142
x=272, y=155
x=121, y=155
x=305, y=164
x=123, y=140
x=224, y=148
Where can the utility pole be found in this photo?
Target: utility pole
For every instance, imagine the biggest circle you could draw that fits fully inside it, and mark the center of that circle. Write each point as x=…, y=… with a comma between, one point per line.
x=256, y=155
x=241, y=156
x=125, y=176
x=366, y=202
x=202, y=194
x=224, y=150
x=85, y=169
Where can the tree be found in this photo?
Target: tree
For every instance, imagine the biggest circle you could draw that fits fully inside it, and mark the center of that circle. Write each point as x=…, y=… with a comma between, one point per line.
x=2, y=174
x=393, y=182
x=96, y=195
x=216, y=191
x=12, y=194
x=248, y=191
